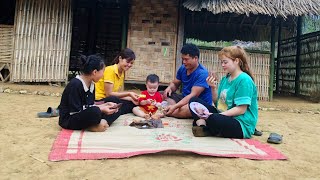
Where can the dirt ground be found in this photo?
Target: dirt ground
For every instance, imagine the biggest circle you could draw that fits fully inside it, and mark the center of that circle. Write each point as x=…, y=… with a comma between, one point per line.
x=26, y=142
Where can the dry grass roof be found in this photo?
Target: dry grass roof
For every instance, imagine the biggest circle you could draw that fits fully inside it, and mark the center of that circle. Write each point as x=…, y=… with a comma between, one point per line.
x=283, y=8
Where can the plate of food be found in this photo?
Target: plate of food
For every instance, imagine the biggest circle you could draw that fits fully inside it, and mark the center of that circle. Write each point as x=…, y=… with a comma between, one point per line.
x=200, y=110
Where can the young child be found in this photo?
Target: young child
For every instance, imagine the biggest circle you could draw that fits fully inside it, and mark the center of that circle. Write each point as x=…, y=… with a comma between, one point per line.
x=77, y=110
x=150, y=100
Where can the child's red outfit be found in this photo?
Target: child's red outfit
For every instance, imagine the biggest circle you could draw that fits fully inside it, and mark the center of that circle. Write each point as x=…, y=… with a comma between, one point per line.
x=148, y=107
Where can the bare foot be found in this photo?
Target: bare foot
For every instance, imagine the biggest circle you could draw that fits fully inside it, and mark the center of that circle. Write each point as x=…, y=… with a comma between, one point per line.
x=101, y=127
x=155, y=116
x=147, y=116
x=200, y=122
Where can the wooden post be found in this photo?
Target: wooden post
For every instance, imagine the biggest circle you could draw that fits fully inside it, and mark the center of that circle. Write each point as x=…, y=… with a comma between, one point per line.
x=272, y=41
x=125, y=13
x=278, y=55
x=180, y=40
x=298, y=63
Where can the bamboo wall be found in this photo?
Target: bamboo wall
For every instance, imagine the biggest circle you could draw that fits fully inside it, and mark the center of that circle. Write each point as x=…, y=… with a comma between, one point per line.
x=309, y=77
x=41, y=40
x=6, y=45
x=259, y=64
x=287, y=66
x=152, y=35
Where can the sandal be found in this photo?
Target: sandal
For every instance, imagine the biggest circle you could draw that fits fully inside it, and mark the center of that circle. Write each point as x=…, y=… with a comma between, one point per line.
x=51, y=112
x=275, y=138
x=257, y=132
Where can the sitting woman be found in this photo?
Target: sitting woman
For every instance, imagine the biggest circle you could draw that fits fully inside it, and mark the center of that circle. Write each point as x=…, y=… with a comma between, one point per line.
x=77, y=109
x=235, y=99
x=112, y=82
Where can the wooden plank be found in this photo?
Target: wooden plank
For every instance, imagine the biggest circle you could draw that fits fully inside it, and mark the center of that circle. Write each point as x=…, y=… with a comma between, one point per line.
x=272, y=41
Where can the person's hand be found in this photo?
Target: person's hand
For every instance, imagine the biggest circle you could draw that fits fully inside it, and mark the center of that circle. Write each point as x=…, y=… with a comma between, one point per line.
x=212, y=80
x=134, y=96
x=99, y=102
x=167, y=92
x=111, y=104
x=145, y=102
x=107, y=109
x=170, y=109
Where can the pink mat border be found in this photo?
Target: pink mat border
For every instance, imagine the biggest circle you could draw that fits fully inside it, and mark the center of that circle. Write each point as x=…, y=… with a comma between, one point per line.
x=62, y=140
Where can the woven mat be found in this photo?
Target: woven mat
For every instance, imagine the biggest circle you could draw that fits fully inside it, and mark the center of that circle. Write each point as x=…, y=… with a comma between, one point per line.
x=122, y=141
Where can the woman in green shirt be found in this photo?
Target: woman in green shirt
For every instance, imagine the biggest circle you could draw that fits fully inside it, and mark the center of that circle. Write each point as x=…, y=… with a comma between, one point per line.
x=235, y=113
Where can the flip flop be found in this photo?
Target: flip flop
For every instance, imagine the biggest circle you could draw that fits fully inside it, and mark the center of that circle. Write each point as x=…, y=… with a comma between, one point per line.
x=51, y=112
x=257, y=132
x=275, y=138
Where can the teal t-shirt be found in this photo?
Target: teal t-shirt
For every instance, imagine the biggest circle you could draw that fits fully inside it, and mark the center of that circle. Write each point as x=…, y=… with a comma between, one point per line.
x=240, y=91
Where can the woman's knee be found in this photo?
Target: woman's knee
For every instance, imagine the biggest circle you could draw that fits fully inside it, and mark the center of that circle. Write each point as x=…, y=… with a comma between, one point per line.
x=193, y=99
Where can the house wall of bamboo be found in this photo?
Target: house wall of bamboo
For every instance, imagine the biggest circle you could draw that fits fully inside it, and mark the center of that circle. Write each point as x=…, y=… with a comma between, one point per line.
x=309, y=80
x=6, y=45
x=42, y=33
x=152, y=34
x=259, y=64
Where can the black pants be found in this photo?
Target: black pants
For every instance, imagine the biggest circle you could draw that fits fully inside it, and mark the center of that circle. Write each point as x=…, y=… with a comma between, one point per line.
x=126, y=107
x=218, y=124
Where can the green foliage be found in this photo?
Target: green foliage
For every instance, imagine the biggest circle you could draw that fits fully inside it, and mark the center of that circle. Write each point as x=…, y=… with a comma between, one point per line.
x=263, y=46
x=310, y=24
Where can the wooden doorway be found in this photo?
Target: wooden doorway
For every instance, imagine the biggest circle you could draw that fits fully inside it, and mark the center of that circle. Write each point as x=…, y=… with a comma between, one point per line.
x=97, y=28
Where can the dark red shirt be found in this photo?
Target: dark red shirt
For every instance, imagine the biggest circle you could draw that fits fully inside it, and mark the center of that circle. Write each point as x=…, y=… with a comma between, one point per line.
x=148, y=107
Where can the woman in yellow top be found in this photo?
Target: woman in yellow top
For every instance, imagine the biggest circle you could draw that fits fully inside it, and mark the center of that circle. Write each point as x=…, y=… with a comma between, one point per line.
x=112, y=82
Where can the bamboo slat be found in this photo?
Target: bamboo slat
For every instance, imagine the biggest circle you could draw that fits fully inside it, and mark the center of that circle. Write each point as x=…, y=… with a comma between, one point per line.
x=41, y=41
x=6, y=43
x=152, y=35
x=258, y=63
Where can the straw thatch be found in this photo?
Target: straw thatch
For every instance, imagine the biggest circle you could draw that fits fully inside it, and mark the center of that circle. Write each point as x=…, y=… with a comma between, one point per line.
x=266, y=7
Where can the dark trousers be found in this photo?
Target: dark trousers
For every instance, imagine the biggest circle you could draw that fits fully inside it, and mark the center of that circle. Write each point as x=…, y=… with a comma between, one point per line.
x=126, y=107
x=218, y=124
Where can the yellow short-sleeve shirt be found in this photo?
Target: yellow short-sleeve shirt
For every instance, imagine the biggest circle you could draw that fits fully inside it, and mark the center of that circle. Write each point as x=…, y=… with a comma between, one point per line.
x=110, y=75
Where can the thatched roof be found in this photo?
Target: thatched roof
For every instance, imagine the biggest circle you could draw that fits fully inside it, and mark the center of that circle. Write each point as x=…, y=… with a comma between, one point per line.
x=282, y=8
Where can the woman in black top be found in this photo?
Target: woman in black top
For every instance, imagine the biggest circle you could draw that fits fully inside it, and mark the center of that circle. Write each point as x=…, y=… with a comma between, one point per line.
x=77, y=109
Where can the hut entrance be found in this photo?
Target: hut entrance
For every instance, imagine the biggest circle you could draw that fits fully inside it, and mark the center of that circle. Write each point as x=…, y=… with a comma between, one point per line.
x=97, y=28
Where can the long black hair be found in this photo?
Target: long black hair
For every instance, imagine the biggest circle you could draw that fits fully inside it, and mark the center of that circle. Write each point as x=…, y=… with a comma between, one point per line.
x=127, y=54
x=91, y=63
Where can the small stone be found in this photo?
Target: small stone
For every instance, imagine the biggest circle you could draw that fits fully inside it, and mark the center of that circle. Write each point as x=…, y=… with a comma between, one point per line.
x=272, y=109
x=290, y=110
x=7, y=91
x=23, y=92
x=264, y=109
x=40, y=93
x=58, y=94
x=278, y=109
x=316, y=112
x=46, y=94
x=35, y=92
x=259, y=108
x=52, y=94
